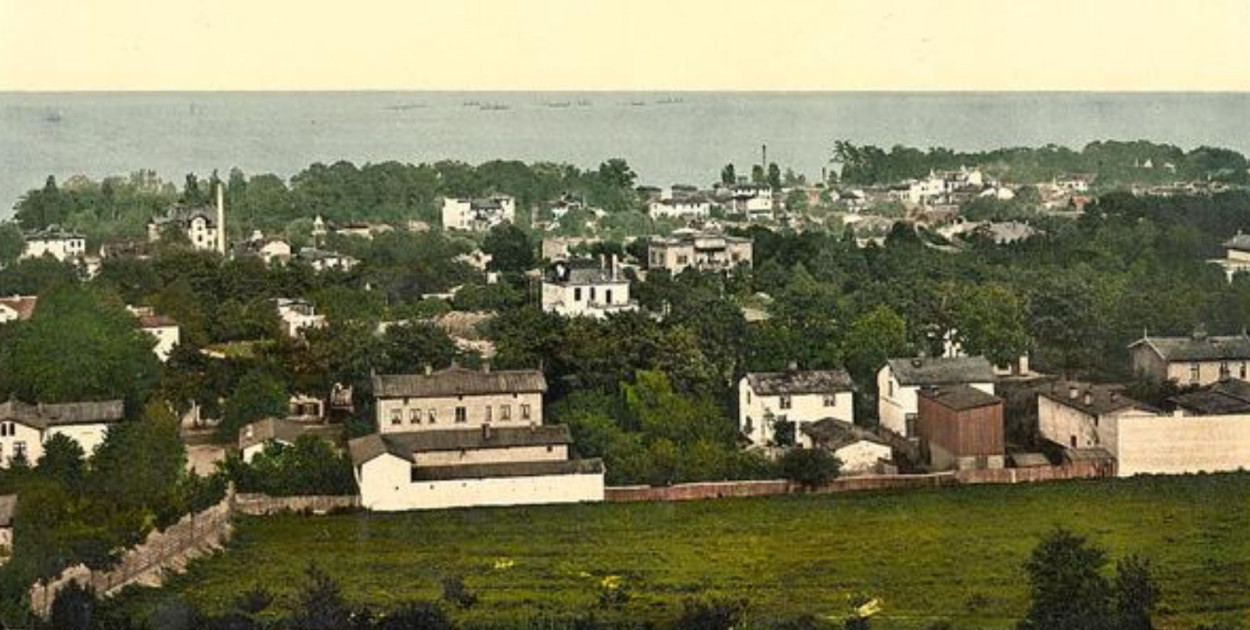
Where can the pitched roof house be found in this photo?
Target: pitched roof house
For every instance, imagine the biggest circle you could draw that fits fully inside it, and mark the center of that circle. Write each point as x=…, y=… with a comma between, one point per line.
x=859, y=450
x=592, y=291
x=899, y=380
x=458, y=398
x=25, y=427
x=795, y=397
x=1199, y=359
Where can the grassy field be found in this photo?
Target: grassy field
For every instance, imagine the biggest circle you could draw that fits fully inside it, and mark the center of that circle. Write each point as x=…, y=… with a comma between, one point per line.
x=952, y=554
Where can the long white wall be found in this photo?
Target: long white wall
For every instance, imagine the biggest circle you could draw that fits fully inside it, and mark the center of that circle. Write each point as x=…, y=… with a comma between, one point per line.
x=385, y=486
x=1181, y=444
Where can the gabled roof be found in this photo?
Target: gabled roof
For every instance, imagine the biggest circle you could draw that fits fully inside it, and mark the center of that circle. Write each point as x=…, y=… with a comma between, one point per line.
x=1198, y=347
x=508, y=469
x=959, y=397
x=834, y=434
x=1224, y=397
x=457, y=381
x=1239, y=242
x=51, y=233
x=1103, y=399
x=184, y=215
x=800, y=382
x=364, y=449
x=42, y=416
x=276, y=429
x=941, y=370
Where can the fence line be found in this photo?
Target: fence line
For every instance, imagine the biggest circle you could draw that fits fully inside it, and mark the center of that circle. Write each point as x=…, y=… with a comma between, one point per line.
x=254, y=504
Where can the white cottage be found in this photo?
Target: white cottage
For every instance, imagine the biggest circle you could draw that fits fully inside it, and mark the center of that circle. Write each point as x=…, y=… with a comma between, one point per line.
x=796, y=398
x=899, y=380
x=24, y=428
x=596, y=291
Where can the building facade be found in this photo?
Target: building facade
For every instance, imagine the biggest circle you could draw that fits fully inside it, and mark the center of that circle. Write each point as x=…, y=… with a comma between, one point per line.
x=458, y=398
x=1198, y=359
x=24, y=428
x=478, y=215
x=899, y=380
x=961, y=427
x=53, y=241
x=699, y=250
x=586, y=291
x=680, y=208
x=794, y=399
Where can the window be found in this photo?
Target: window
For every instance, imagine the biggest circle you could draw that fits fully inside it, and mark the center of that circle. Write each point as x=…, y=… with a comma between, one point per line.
x=550, y=448
x=4, y=429
x=786, y=403
x=19, y=449
x=1224, y=371
x=1243, y=371
x=1193, y=372
x=489, y=410
x=748, y=396
x=1073, y=441
x=414, y=416
x=397, y=416
x=432, y=416
x=831, y=400
x=462, y=416
x=592, y=294
x=505, y=412
x=525, y=412
x=749, y=426
x=577, y=294
x=890, y=388
x=607, y=296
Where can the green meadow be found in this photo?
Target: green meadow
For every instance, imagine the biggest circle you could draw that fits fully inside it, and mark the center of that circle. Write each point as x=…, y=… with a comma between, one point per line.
x=926, y=556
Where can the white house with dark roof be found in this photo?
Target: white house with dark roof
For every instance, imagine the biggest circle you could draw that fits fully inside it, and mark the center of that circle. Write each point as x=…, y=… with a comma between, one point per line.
x=592, y=291
x=1076, y=415
x=458, y=398
x=322, y=260
x=899, y=380
x=680, y=207
x=56, y=242
x=478, y=215
x=204, y=226
x=1199, y=359
x=1236, y=255
x=24, y=427
x=860, y=451
x=799, y=397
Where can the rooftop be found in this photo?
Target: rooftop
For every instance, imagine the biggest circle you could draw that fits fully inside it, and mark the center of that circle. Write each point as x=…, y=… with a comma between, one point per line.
x=184, y=214
x=834, y=433
x=24, y=305
x=262, y=431
x=478, y=439
x=457, y=381
x=1092, y=399
x=509, y=469
x=800, y=382
x=42, y=416
x=1239, y=242
x=960, y=397
x=1224, y=397
x=1198, y=347
x=942, y=370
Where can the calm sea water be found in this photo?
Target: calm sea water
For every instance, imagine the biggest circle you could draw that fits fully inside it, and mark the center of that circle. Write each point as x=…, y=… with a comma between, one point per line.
x=667, y=138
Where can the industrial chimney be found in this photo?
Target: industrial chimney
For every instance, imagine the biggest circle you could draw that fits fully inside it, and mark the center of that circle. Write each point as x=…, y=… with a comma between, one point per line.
x=221, y=218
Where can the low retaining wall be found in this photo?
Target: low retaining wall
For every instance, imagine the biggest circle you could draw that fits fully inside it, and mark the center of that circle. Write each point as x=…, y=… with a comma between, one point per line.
x=727, y=489
x=192, y=536
x=263, y=504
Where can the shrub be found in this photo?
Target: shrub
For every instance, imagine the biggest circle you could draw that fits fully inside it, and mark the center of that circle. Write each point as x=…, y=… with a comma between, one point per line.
x=455, y=591
x=809, y=467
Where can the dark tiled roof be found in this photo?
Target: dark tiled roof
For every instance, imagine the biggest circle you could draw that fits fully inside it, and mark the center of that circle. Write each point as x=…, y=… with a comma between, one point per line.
x=51, y=233
x=1103, y=398
x=510, y=469
x=942, y=371
x=960, y=397
x=800, y=382
x=474, y=439
x=363, y=449
x=184, y=215
x=42, y=416
x=834, y=434
x=458, y=381
x=1199, y=347
x=277, y=429
x=1227, y=396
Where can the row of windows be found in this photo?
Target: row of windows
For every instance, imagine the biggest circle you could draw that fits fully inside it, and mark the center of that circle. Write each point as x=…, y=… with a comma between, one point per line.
x=8, y=429
x=415, y=416
x=577, y=294
x=1225, y=371
x=828, y=400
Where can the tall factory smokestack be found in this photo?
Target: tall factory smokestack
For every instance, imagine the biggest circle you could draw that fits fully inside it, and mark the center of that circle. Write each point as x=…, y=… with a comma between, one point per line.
x=764, y=156
x=221, y=218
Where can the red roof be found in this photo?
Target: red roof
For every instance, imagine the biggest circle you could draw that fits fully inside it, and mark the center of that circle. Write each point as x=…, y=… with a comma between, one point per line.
x=24, y=305
x=155, y=321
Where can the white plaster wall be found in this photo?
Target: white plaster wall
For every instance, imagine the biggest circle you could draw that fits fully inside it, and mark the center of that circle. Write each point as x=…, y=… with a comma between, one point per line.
x=563, y=299
x=89, y=436
x=385, y=486
x=893, y=410
x=1181, y=444
x=445, y=408
x=166, y=338
x=1060, y=423
x=804, y=409
x=31, y=438
x=1208, y=372
x=862, y=457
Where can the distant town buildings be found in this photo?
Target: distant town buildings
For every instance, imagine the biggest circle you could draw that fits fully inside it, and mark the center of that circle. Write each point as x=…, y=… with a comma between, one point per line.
x=686, y=208
x=1236, y=255
x=298, y=315
x=577, y=289
x=704, y=251
x=478, y=215
x=56, y=242
x=204, y=226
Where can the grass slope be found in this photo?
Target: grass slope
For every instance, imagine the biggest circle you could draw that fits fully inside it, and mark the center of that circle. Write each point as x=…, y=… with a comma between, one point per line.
x=952, y=554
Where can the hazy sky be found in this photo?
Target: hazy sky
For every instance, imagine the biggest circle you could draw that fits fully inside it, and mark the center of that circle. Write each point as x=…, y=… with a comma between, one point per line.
x=625, y=44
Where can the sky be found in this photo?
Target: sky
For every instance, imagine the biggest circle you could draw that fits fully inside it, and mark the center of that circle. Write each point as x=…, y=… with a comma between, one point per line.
x=946, y=45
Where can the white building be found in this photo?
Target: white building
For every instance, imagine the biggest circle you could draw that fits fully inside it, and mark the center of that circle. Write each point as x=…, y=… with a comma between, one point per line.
x=753, y=200
x=766, y=399
x=204, y=226
x=24, y=428
x=478, y=215
x=1199, y=359
x=705, y=251
x=457, y=398
x=298, y=315
x=899, y=380
x=1236, y=255
x=270, y=250
x=322, y=260
x=860, y=451
x=53, y=241
x=590, y=291
x=254, y=438
x=693, y=207
x=164, y=329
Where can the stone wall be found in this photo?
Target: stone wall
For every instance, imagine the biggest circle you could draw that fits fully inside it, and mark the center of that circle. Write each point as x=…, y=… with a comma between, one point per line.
x=263, y=504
